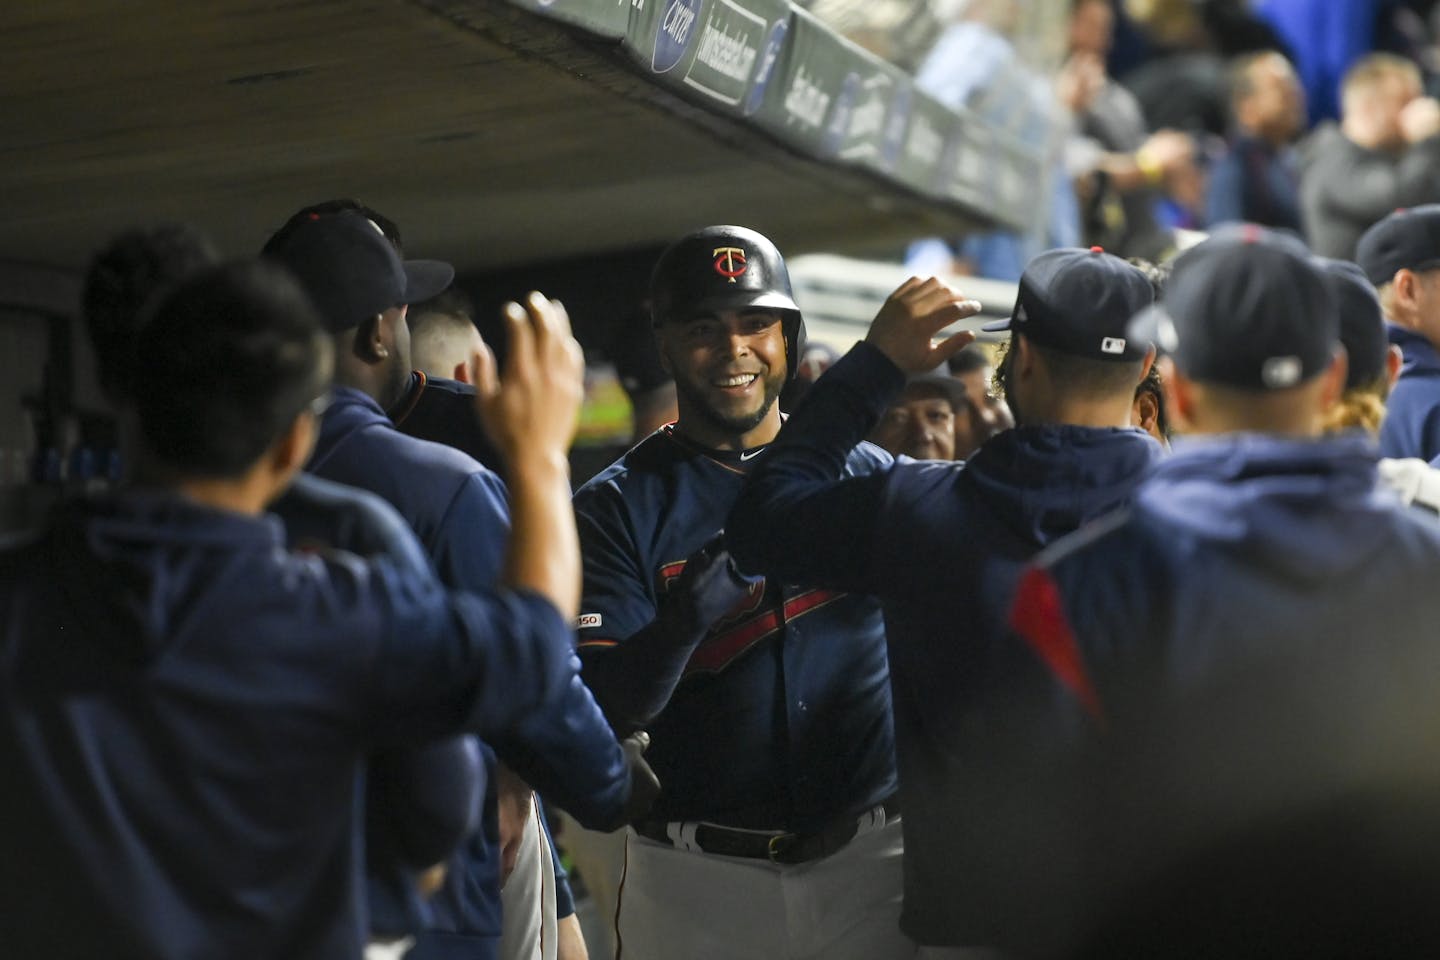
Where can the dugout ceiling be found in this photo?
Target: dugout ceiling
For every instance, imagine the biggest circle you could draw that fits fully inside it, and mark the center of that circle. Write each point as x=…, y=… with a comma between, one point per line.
x=496, y=133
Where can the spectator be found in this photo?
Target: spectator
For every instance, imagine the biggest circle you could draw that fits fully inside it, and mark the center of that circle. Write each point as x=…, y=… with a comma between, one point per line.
x=1119, y=167
x=920, y=423
x=1385, y=154
x=1258, y=181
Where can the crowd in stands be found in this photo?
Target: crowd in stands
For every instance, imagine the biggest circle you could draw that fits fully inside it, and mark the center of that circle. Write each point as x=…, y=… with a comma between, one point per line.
x=1172, y=116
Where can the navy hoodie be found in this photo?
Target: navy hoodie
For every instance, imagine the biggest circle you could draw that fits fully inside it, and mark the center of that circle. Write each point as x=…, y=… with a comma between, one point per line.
x=185, y=711
x=1411, y=427
x=942, y=545
x=1296, y=536
x=1272, y=569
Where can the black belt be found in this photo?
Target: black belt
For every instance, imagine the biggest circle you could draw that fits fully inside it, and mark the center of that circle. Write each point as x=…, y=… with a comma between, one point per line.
x=774, y=846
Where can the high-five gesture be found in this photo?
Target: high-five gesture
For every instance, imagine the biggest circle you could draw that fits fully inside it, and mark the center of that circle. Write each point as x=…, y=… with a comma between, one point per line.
x=532, y=409
x=905, y=327
x=530, y=413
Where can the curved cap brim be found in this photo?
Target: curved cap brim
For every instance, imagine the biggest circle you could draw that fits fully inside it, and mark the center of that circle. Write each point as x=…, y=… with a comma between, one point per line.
x=426, y=278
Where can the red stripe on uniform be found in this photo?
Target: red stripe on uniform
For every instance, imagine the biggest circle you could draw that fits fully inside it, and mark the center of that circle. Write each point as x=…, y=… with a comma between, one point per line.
x=717, y=652
x=1039, y=618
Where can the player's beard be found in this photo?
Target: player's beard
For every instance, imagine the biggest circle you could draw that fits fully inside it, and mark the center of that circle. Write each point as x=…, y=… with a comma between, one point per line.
x=693, y=396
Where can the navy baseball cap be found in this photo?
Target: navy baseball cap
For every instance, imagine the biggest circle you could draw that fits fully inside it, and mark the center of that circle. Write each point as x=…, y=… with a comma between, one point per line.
x=1408, y=239
x=1079, y=302
x=350, y=270
x=1247, y=308
x=1362, y=322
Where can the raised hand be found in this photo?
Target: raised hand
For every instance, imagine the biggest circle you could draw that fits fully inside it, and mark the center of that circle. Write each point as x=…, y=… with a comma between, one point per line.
x=531, y=410
x=907, y=323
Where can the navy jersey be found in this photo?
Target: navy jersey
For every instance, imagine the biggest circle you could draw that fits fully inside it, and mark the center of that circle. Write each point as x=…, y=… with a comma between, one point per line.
x=781, y=719
x=434, y=408
x=942, y=545
x=186, y=707
x=1411, y=427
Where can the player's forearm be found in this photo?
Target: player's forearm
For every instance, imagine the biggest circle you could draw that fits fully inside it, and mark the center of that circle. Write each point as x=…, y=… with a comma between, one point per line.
x=544, y=551
x=633, y=682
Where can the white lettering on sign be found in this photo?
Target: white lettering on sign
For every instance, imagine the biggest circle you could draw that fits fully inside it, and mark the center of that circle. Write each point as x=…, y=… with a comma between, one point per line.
x=729, y=55
x=678, y=21
x=805, y=101
x=924, y=143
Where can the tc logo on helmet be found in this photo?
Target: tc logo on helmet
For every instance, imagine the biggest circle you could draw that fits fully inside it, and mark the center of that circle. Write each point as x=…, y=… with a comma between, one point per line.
x=729, y=262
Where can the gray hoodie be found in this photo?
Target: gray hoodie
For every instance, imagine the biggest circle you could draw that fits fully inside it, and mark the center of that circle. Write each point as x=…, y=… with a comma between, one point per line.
x=1344, y=187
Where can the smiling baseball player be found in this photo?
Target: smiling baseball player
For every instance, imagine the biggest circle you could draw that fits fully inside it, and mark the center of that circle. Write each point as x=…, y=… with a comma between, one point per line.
x=768, y=703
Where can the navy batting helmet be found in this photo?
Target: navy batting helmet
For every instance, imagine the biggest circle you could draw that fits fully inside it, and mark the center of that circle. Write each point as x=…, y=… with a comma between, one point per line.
x=726, y=268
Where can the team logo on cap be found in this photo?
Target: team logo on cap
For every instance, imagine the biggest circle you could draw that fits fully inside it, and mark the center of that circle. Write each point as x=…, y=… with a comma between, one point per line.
x=729, y=262
x=1279, y=372
x=1112, y=345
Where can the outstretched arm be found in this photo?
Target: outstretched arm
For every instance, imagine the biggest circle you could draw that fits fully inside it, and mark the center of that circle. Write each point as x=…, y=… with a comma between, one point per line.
x=796, y=518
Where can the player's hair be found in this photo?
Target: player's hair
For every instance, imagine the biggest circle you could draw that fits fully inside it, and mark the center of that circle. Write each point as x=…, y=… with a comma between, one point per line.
x=440, y=330
x=223, y=365
x=134, y=268
x=329, y=208
x=1157, y=273
x=1073, y=376
x=1369, y=71
x=971, y=358
x=1086, y=377
x=1360, y=407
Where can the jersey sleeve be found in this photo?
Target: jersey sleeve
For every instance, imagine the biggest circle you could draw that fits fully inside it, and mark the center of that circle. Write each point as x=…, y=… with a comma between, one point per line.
x=470, y=550
x=617, y=600
x=501, y=665
x=799, y=517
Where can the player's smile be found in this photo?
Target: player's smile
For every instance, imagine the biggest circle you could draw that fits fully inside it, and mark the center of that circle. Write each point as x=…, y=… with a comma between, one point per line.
x=736, y=385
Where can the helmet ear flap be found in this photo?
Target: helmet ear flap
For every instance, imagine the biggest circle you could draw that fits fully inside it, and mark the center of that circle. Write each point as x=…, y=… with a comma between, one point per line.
x=793, y=327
